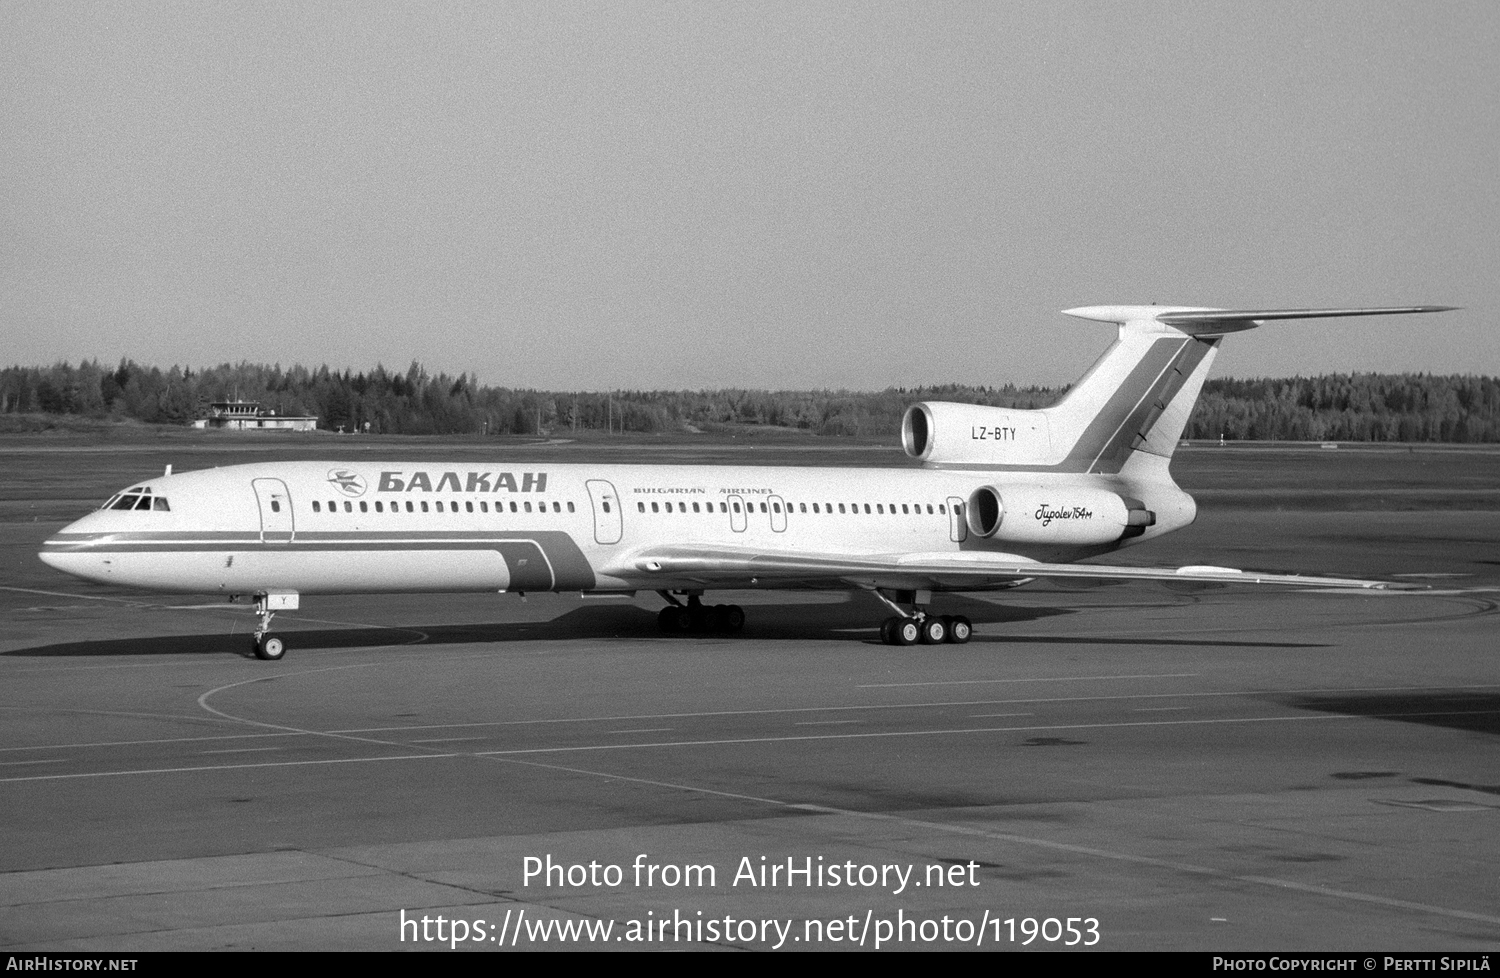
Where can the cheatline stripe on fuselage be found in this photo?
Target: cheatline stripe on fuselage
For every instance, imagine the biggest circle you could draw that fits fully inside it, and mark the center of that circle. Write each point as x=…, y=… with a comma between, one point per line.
x=91, y=541
x=565, y=565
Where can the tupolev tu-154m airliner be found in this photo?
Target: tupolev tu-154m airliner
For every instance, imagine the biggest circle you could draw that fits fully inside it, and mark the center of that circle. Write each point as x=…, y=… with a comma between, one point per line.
x=1002, y=497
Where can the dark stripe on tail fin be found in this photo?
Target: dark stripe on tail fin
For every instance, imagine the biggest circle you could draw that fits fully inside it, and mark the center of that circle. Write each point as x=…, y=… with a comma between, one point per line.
x=1132, y=432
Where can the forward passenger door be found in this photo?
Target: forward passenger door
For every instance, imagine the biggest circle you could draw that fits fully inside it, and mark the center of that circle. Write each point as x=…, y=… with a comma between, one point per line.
x=276, y=523
x=608, y=521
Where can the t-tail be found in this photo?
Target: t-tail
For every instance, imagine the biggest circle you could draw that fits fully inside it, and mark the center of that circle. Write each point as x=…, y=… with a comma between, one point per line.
x=1130, y=408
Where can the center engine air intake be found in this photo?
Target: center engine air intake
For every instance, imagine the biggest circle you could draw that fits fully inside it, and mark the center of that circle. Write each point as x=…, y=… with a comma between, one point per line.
x=940, y=432
x=1041, y=514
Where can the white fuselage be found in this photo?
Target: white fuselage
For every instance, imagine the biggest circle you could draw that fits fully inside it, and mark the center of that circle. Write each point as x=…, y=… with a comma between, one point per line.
x=336, y=527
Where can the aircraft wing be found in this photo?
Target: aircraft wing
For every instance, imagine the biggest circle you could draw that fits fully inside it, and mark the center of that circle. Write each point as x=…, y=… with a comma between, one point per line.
x=712, y=566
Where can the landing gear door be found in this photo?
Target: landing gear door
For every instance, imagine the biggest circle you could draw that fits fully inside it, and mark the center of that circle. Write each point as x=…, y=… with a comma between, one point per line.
x=276, y=525
x=778, y=514
x=608, y=525
x=737, y=515
x=958, y=526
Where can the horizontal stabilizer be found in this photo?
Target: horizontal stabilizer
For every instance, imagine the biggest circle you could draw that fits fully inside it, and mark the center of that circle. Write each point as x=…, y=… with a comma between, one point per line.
x=1216, y=322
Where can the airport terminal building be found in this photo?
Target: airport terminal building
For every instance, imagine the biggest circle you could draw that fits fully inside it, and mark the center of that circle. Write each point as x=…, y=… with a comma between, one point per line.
x=248, y=416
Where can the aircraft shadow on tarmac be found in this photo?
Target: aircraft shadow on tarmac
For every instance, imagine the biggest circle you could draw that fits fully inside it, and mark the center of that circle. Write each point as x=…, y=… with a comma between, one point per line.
x=842, y=621
x=1477, y=712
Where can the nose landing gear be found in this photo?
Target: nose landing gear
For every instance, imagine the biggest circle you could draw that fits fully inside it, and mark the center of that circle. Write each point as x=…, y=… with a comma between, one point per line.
x=267, y=646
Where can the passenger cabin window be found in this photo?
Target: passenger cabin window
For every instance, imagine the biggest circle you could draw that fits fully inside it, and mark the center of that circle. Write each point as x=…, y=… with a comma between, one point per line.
x=408, y=506
x=570, y=507
x=317, y=506
x=639, y=506
x=364, y=507
x=424, y=505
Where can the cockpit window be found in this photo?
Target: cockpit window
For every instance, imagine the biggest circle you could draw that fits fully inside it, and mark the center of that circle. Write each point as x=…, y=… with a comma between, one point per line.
x=139, y=500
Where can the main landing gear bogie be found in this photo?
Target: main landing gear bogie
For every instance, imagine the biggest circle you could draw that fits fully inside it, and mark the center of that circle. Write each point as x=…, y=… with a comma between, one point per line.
x=926, y=630
x=680, y=619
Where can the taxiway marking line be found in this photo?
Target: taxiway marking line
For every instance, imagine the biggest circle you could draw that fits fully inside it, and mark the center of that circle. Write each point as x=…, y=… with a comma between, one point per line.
x=162, y=740
x=298, y=732
x=734, y=741
x=977, y=730
x=731, y=741
x=1047, y=679
x=231, y=767
x=239, y=750
x=912, y=706
x=64, y=594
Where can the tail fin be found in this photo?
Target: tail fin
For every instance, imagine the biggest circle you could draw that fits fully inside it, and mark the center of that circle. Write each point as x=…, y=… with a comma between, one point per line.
x=1139, y=395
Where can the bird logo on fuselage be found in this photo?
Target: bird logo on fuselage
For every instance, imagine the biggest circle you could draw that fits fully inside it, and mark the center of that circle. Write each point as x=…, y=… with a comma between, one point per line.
x=348, y=483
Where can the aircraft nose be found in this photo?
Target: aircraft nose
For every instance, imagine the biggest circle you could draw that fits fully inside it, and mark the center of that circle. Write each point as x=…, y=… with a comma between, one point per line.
x=56, y=549
x=52, y=548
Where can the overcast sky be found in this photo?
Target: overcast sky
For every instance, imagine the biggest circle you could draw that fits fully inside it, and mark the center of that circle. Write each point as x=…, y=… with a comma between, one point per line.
x=803, y=195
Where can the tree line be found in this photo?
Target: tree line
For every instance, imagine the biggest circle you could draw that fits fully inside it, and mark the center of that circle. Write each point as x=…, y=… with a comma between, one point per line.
x=1334, y=407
